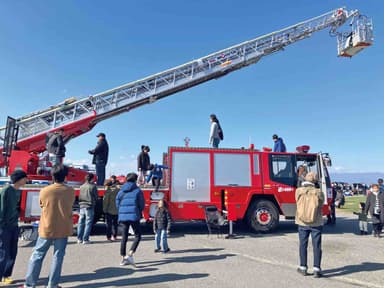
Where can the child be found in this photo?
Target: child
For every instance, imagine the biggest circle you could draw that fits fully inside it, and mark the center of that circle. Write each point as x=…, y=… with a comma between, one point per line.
x=109, y=207
x=161, y=227
x=375, y=206
x=156, y=174
x=363, y=219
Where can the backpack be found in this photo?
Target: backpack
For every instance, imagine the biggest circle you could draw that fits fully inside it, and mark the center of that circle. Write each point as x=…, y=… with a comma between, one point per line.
x=220, y=132
x=308, y=206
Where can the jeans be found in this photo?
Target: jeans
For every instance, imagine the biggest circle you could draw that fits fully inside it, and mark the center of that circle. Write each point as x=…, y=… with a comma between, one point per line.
x=156, y=183
x=9, y=236
x=363, y=225
x=37, y=257
x=100, y=173
x=161, y=235
x=54, y=159
x=85, y=223
x=315, y=232
x=215, y=143
x=136, y=228
x=111, y=225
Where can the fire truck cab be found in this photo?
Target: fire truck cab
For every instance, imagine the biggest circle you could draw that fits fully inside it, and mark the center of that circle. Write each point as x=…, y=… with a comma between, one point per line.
x=244, y=184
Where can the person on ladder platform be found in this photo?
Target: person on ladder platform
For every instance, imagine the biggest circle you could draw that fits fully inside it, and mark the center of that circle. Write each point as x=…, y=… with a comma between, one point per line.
x=56, y=147
x=100, y=158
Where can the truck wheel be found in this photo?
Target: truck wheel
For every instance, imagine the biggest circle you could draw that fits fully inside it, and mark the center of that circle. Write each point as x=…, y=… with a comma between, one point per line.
x=263, y=216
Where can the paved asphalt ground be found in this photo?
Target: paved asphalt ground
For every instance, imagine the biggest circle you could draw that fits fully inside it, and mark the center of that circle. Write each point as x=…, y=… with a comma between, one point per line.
x=196, y=260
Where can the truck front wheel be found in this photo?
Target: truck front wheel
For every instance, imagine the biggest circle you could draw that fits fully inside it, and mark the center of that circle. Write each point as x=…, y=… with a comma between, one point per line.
x=263, y=216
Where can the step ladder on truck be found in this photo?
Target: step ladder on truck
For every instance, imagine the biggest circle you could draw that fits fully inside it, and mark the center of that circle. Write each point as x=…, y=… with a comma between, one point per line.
x=23, y=139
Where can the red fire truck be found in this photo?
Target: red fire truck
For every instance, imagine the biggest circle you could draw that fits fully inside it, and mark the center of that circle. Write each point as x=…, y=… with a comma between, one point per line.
x=246, y=183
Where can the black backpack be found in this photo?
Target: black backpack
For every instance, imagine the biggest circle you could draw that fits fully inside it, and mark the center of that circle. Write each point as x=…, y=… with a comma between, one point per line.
x=220, y=132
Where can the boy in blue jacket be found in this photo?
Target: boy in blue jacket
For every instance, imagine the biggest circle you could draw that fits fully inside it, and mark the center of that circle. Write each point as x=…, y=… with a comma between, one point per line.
x=156, y=174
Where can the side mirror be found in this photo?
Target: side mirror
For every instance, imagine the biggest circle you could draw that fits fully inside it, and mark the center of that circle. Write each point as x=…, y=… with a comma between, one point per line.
x=327, y=160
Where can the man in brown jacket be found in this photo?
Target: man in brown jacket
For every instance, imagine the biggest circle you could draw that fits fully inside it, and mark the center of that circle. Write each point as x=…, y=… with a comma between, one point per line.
x=55, y=226
x=313, y=228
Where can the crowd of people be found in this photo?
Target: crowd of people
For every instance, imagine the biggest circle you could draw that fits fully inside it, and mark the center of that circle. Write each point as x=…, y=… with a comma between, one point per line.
x=123, y=204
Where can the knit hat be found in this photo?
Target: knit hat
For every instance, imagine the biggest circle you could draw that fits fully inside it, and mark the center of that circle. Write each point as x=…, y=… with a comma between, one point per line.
x=311, y=177
x=18, y=175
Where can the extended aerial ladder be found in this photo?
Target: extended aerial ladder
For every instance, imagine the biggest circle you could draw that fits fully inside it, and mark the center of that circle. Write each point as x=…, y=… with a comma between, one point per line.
x=79, y=116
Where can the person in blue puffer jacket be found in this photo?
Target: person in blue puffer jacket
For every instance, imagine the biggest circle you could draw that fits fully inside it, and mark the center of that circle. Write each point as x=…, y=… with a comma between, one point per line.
x=130, y=205
x=279, y=145
x=156, y=175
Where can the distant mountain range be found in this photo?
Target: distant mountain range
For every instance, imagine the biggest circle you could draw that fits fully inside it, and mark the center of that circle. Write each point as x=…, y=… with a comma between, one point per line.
x=366, y=178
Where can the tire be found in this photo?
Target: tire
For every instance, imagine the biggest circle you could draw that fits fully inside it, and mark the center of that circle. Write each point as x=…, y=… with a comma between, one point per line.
x=263, y=216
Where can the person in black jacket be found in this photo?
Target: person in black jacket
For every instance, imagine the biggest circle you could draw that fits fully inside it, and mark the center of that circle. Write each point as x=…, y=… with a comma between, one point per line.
x=56, y=147
x=100, y=158
x=375, y=207
x=143, y=162
x=9, y=229
x=161, y=227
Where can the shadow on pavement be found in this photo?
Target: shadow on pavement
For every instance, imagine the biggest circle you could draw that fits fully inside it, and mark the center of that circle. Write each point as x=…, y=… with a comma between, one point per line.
x=198, y=250
x=99, y=274
x=349, y=269
x=152, y=279
x=185, y=259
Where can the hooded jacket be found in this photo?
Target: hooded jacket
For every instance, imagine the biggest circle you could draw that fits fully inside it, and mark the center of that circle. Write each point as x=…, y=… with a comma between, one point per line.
x=156, y=172
x=279, y=146
x=130, y=202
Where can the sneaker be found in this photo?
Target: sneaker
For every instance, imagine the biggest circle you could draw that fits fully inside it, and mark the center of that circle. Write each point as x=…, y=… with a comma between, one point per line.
x=130, y=260
x=317, y=274
x=86, y=242
x=302, y=271
x=123, y=262
x=157, y=250
x=7, y=280
x=79, y=241
x=113, y=238
x=166, y=251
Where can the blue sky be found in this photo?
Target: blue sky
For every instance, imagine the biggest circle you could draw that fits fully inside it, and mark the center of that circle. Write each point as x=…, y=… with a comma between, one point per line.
x=53, y=50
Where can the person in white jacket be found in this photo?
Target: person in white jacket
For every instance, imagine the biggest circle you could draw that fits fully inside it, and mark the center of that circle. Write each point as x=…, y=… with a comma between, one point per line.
x=214, y=137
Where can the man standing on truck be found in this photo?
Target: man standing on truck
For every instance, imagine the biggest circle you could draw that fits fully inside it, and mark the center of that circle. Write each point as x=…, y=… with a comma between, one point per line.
x=56, y=201
x=279, y=145
x=143, y=162
x=87, y=200
x=9, y=230
x=100, y=158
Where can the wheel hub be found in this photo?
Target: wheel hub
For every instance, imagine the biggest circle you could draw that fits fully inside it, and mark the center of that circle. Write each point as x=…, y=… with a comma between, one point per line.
x=263, y=216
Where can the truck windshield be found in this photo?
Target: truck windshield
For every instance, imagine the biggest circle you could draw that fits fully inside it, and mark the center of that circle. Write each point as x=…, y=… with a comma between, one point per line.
x=284, y=168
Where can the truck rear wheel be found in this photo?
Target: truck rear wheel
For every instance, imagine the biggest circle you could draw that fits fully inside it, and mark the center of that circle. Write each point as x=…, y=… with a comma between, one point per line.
x=263, y=216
